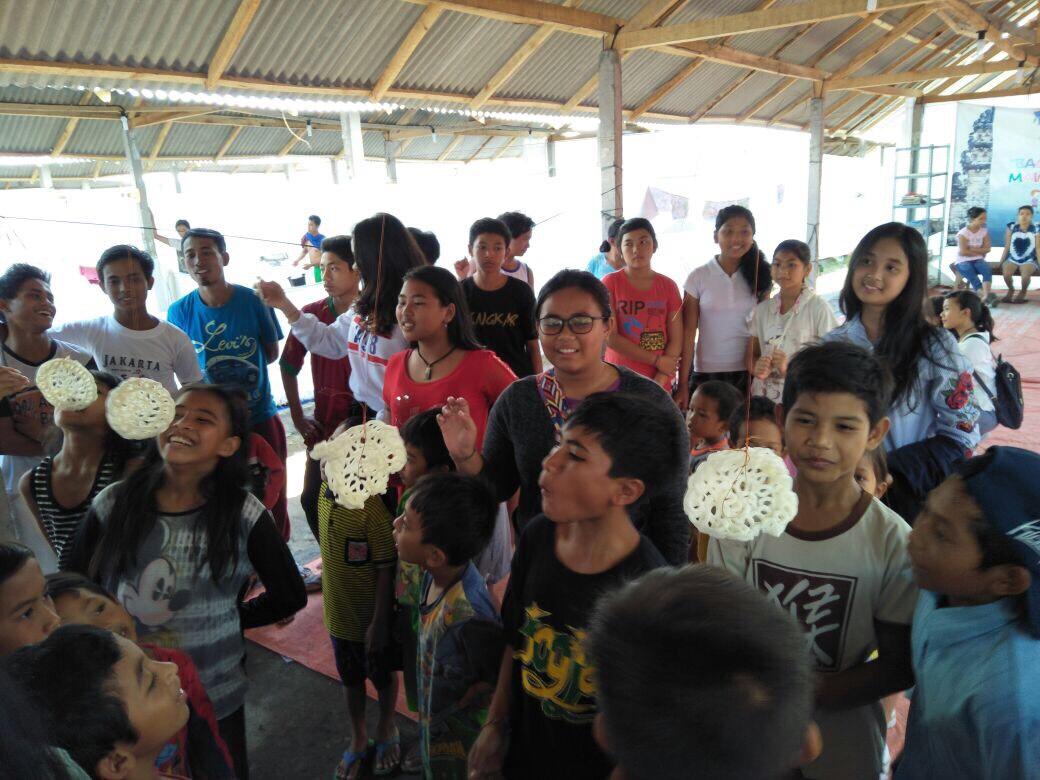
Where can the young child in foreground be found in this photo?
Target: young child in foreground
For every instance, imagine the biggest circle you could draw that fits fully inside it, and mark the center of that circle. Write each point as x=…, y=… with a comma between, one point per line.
x=975, y=548
x=103, y=700
x=757, y=426
x=841, y=568
x=711, y=683
x=197, y=750
x=27, y=613
x=448, y=519
x=584, y=545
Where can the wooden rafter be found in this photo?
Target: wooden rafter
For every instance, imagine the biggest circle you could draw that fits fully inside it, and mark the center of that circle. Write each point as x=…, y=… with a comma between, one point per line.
x=160, y=139
x=230, y=41
x=503, y=149
x=1025, y=89
x=913, y=18
x=228, y=141
x=534, y=12
x=451, y=147
x=754, y=21
x=406, y=119
x=70, y=128
x=285, y=149
x=1005, y=39
x=658, y=94
x=405, y=49
x=480, y=148
x=926, y=74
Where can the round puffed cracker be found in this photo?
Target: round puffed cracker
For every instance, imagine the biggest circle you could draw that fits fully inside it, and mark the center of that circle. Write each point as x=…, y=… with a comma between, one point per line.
x=139, y=408
x=66, y=384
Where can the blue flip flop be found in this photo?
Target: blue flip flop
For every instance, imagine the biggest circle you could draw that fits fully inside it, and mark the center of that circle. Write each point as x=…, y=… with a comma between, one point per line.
x=350, y=757
x=381, y=748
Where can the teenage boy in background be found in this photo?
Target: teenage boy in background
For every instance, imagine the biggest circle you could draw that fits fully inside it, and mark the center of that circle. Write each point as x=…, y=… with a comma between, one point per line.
x=130, y=342
x=235, y=336
x=975, y=711
x=502, y=307
x=310, y=243
x=520, y=227
x=841, y=567
x=181, y=227
x=26, y=419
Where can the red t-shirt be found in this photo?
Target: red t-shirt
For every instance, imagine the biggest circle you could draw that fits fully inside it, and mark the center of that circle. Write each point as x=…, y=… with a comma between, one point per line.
x=480, y=378
x=642, y=316
x=332, y=397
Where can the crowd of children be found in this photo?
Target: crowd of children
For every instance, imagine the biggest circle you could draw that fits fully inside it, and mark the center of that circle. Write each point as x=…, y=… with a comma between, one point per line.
x=546, y=446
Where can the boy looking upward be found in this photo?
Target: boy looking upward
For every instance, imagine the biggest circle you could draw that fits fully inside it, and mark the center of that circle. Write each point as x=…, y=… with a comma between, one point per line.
x=502, y=307
x=841, y=568
x=975, y=548
x=130, y=342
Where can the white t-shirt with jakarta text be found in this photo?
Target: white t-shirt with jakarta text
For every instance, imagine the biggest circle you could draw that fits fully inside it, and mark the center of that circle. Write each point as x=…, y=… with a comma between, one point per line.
x=160, y=353
x=726, y=303
x=836, y=584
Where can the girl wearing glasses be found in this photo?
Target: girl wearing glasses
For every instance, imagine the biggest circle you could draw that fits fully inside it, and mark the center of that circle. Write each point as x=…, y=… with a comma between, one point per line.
x=646, y=334
x=574, y=323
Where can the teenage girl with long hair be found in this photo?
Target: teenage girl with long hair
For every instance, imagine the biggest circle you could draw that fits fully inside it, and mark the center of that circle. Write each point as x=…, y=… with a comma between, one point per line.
x=933, y=413
x=367, y=333
x=969, y=319
x=179, y=543
x=58, y=491
x=719, y=298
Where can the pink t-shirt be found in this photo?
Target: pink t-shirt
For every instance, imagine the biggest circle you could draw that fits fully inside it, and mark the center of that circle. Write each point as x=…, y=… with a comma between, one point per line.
x=975, y=239
x=642, y=316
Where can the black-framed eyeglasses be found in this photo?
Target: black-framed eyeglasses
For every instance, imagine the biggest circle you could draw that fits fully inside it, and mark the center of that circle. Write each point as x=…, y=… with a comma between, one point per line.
x=578, y=324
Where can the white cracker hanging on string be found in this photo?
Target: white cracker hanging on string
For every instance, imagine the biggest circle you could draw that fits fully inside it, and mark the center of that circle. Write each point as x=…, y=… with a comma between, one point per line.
x=66, y=384
x=358, y=463
x=738, y=494
x=139, y=408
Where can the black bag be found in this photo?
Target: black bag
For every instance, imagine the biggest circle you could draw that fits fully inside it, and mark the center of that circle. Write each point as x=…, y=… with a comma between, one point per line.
x=1007, y=401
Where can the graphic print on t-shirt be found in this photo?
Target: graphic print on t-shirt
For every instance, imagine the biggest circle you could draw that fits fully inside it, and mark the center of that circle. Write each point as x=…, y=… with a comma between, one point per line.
x=229, y=359
x=152, y=599
x=820, y=602
x=652, y=335
x=555, y=670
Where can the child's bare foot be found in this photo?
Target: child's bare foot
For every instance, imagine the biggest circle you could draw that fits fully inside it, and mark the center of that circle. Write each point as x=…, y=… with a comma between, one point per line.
x=388, y=755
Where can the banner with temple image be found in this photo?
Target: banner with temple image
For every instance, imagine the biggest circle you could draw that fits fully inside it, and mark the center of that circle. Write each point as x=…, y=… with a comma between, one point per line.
x=996, y=165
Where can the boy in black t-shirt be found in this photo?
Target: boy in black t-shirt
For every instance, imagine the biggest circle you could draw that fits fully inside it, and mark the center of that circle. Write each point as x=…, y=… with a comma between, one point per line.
x=610, y=457
x=502, y=307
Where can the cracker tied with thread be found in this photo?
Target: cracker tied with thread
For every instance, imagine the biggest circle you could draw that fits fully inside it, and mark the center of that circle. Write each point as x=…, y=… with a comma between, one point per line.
x=139, y=408
x=66, y=384
x=739, y=494
x=358, y=463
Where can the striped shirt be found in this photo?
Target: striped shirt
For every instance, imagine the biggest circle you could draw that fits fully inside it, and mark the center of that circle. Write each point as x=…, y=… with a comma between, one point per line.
x=60, y=523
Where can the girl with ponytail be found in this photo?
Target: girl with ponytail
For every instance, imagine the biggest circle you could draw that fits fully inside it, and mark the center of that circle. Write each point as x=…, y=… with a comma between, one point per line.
x=969, y=319
x=719, y=298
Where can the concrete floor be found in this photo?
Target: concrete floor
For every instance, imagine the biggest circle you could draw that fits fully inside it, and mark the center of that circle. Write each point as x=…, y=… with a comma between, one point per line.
x=296, y=719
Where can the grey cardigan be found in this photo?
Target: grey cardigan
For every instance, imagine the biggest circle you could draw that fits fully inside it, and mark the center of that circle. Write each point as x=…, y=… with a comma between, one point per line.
x=520, y=435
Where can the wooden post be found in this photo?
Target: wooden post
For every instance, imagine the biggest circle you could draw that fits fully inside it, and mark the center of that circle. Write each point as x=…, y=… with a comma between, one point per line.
x=609, y=136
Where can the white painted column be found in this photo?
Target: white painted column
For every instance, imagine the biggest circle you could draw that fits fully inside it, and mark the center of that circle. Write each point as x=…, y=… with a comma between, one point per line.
x=391, y=148
x=812, y=226
x=609, y=137
x=353, y=144
x=550, y=157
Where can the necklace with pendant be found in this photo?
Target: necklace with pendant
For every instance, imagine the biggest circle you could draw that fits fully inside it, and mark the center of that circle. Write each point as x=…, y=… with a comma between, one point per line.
x=429, y=366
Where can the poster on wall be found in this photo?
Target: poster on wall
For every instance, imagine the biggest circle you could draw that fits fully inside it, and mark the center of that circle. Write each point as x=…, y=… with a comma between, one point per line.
x=996, y=166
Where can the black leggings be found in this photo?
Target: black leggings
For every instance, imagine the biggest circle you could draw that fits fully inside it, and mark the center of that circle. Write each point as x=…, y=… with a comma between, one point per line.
x=233, y=732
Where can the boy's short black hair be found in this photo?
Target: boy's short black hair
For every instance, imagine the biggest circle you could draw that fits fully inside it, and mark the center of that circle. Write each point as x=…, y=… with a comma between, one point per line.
x=341, y=247
x=62, y=582
x=495, y=227
x=213, y=235
x=640, y=436
x=997, y=549
x=423, y=433
x=315, y=219
x=726, y=397
x=180, y=222
x=13, y=556
x=458, y=514
x=69, y=677
x=18, y=274
x=711, y=682
x=761, y=409
x=124, y=252
x=1027, y=207
x=839, y=367
x=517, y=222
x=428, y=243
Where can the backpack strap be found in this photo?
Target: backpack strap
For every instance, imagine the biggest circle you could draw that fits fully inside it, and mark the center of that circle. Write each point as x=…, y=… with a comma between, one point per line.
x=982, y=384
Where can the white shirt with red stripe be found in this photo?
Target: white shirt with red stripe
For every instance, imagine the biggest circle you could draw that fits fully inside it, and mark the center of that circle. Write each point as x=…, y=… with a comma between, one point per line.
x=367, y=352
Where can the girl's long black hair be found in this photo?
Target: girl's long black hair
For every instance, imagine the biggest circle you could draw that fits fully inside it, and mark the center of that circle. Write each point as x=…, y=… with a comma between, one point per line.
x=753, y=264
x=906, y=335
x=384, y=251
x=981, y=317
x=224, y=490
x=449, y=291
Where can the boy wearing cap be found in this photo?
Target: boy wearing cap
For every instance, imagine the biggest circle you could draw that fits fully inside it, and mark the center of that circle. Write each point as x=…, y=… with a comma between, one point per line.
x=975, y=547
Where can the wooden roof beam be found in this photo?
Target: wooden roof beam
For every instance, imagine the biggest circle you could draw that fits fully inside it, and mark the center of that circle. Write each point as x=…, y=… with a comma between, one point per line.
x=230, y=41
x=235, y=131
x=480, y=148
x=754, y=21
x=70, y=128
x=450, y=148
x=913, y=18
x=1025, y=89
x=994, y=31
x=160, y=139
x=406, y=49
x=658, y=94
x=503, y=149
x=535, y=12
x=926, y=74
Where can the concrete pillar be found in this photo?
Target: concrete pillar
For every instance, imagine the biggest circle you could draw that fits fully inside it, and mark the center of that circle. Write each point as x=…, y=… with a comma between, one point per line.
x=391, y=159
x=609, y=137
x=353, y=143
x=812, y=227
x=335, y=170
x=914, y=126
x=46, y=180
x=550, y=157
x=164, y=293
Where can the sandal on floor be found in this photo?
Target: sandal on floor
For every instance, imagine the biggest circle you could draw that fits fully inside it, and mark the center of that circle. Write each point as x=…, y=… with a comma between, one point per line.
x=412, y=762
x=381, y=750
x=350, y=757
x=1009, y=298
x=1021, y=297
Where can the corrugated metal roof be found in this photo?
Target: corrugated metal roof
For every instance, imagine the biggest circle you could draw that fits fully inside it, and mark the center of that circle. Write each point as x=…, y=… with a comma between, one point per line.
x=29, y=134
